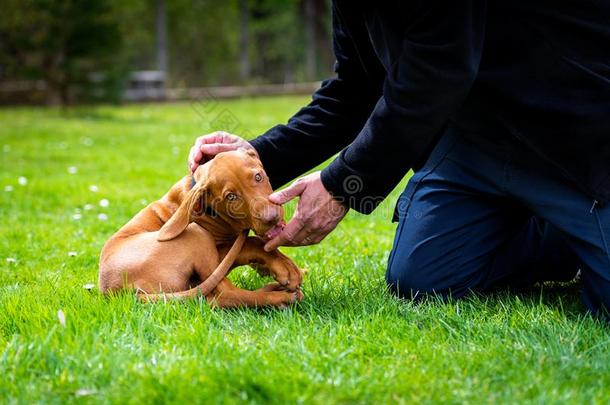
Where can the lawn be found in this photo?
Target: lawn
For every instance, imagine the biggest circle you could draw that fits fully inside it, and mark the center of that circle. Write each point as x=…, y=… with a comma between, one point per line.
x=69, y=179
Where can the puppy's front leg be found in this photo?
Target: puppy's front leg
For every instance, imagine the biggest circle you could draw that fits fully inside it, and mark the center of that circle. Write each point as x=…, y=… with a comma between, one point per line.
x=274, y=263
x=226, y=295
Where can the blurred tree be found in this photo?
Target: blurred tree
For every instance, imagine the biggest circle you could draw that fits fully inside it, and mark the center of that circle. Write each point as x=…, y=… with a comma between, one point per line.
x=244, y=39
x=161, y=36
x=310, y=13
x=320, y=22
x=215, y=43
x=66, y=43
x=204, y=42
x=62, y=42
x=278, y=40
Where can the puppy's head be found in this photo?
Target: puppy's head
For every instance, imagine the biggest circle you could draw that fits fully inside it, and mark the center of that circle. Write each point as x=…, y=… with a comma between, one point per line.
x=234, y=187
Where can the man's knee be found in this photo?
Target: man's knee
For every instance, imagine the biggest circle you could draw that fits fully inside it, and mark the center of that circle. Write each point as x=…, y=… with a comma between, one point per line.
x=419, y=272
x=407, y=278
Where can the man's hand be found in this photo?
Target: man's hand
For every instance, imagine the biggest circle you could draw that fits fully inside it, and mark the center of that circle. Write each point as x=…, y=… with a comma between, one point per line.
x=210, y=145
x=316, y=215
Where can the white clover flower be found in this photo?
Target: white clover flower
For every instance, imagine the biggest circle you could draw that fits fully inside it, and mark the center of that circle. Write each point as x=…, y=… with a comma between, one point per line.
x=72, y=254
x=8, y=188
x=61, y=317
x=104, y=203
x=22, y=181
x=88, y=207
x=102, y=217
x=93, y=188
x=83, y=392
x=72, y=169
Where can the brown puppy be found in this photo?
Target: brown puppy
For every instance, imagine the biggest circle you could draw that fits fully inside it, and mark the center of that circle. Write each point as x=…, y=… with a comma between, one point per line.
x=174, y=245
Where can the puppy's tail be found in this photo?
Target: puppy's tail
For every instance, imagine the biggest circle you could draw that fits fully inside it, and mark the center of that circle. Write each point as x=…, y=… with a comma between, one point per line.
x=209, y=283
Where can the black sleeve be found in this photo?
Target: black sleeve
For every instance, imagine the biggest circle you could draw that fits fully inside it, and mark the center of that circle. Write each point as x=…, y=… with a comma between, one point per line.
x=334, y=117
x=437, y=66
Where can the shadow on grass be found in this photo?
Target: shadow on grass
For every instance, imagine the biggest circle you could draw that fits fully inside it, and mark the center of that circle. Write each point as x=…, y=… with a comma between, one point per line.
x=562, y=298
x=342, y=300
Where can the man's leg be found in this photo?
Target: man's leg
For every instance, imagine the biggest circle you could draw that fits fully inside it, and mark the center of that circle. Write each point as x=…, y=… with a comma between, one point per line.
x=585, y=224
x=458, y=230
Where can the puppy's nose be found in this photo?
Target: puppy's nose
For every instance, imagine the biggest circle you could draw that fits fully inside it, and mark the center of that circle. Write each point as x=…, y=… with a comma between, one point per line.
x=271, y=215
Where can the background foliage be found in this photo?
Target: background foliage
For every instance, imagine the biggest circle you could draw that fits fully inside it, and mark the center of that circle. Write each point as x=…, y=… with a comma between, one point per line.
x=70, y=44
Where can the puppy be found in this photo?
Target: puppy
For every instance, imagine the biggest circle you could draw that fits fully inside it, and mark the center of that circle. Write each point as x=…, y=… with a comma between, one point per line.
x=183, y=245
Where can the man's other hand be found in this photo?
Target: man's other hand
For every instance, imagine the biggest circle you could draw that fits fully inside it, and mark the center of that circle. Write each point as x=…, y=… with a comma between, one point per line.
x=316, y=215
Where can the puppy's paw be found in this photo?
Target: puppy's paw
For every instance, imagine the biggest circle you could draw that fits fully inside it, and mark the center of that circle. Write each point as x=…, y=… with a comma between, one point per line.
x=286, y=272
x=297, y=296
x=272, y=287
x=283, y=299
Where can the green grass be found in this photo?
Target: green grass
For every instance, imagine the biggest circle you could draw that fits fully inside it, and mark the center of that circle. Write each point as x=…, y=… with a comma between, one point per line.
x=348, y=341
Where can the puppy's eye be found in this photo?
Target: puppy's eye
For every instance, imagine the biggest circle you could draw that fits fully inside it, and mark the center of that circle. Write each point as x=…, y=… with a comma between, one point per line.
x=231, y=197
x=258, y=177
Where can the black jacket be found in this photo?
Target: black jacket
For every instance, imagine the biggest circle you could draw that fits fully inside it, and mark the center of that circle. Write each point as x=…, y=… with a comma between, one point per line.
x=537, y=70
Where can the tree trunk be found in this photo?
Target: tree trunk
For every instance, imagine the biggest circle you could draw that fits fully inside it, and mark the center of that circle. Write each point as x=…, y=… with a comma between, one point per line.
x=64, y=94
x=161, y=34
x=310, y=39
x=244, y=40
x=324, y=48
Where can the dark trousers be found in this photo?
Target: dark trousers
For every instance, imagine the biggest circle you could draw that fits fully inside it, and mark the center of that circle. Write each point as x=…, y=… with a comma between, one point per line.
x=483, y=214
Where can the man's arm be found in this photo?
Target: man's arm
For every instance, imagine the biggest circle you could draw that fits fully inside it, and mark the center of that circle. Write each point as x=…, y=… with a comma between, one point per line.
x=336, y=114
x=438, y=64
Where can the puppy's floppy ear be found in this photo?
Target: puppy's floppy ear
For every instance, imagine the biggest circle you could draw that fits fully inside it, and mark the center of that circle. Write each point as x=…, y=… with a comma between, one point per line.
x=182, y=217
